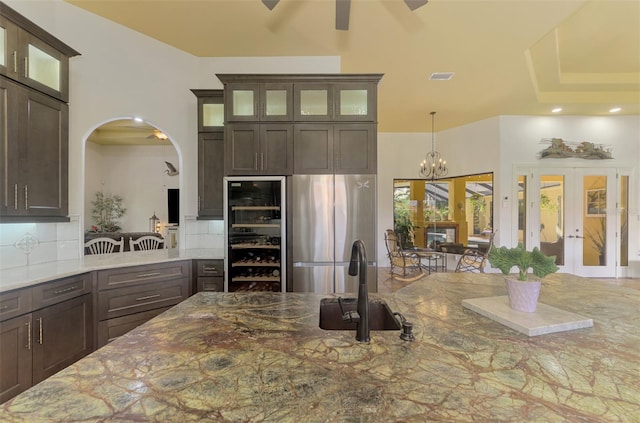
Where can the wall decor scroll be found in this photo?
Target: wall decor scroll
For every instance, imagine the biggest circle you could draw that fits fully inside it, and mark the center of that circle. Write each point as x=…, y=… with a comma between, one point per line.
x=560, y=149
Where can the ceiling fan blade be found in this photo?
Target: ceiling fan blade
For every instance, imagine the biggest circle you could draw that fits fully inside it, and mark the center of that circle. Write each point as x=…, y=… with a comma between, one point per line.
x=414, y=4
x=343, y=8
x=270, y=3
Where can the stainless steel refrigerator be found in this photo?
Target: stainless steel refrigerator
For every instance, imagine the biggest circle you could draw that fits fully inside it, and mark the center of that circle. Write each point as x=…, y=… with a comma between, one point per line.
x=329, y=212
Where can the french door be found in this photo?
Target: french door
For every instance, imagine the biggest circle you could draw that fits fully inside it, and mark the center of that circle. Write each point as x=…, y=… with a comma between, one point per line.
x=573, y=214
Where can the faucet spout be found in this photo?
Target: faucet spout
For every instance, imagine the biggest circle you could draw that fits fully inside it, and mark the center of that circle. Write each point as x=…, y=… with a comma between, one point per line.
x=358, y=266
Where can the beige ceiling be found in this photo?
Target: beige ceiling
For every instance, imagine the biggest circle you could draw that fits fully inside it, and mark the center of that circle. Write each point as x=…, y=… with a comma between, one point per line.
x=510, y=57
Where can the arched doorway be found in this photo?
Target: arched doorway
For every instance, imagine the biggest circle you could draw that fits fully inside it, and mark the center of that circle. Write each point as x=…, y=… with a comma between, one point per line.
x=137, y=162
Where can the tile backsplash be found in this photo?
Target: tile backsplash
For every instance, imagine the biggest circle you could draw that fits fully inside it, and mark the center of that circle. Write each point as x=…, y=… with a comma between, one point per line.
x=23, y=244
x=203, y=233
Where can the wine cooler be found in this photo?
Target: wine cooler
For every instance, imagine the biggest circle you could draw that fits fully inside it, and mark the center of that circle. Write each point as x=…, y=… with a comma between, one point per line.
x=255, y=234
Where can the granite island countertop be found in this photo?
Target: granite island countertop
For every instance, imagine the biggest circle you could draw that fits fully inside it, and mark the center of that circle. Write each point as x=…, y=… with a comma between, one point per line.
x=261, y=357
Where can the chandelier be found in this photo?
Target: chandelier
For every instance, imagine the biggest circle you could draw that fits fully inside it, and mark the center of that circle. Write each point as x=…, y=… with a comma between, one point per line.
x=433, y=166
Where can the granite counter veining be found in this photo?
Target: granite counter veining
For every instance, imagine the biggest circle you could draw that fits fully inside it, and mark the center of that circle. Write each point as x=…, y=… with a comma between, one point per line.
x=21, y=277
x=261, y=357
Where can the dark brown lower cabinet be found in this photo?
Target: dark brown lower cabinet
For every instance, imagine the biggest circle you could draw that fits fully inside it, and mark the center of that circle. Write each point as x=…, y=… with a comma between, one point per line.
x=62, y=334
x=15, y=356
x=37, y=345
x=129, y=296
x=208, y=275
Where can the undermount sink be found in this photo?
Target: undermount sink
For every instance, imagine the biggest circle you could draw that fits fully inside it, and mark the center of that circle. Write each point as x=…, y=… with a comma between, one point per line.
x=380, y=315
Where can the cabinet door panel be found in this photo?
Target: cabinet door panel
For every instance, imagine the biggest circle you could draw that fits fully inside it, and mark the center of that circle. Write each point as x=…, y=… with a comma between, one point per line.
x=241, y=149
x=210, y=175
x=43, y=67
x=63, y=334
x=8, y=48
x=15, y=357
x=355, y=149
x=46, y=155
x=9, y=151
x=276, y=154
x=313, y=149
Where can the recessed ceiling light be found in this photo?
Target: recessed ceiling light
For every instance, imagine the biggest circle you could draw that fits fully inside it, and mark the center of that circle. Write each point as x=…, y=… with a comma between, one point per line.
x=615, y=110
x=556, y=110
x=137, y=119
x=441, y=76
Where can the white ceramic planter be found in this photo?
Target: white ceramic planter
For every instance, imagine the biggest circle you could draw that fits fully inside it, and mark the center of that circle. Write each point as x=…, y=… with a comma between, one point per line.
x=523, y=295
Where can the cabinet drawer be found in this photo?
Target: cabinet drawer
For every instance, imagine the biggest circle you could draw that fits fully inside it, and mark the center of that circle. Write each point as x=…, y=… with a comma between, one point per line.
x=134, y=299
x=108, y=330
x=213, y=283
x=140, y=275
x=60, y=290
x=210, y=267
x=15, y=303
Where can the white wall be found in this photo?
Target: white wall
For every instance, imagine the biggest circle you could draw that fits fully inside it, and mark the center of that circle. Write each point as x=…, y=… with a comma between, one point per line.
x=135, y=173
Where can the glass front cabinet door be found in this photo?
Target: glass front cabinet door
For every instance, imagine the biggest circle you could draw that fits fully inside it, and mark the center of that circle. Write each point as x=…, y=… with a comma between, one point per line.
x=349, y=101
x=259, y=102
x=34, y=57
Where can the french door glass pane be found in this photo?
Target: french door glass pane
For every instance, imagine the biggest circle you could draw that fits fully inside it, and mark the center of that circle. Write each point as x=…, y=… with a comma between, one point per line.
x=594, y=221
x=276, y=102
x=624, y=220
x=552, y=201
x=44, y=68
x=313, y=102
x=522, y=210
x=243, y=103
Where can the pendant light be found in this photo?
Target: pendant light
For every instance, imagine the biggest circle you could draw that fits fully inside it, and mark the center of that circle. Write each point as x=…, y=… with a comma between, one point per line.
x=433, y=166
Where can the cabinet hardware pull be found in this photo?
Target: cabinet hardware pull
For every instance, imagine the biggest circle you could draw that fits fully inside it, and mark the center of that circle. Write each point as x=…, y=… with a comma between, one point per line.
x=148, y=297
x=15, y=197
x=209, y=268
x=255, y=165
x=28, y=324
x=146, y=275
x=68, y=289
x=3, y=307
x=40, y=330
x=15, y=62
x=26, y=67
x=26, y=197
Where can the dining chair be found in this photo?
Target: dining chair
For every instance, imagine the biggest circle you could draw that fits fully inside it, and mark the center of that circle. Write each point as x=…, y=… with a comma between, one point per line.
x=104, y=245
x=147, y=242
x=474, y=260
x=403, y=264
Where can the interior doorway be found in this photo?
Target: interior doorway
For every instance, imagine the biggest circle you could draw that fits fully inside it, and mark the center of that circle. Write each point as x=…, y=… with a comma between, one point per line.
x=136, y=161
x=577, y=215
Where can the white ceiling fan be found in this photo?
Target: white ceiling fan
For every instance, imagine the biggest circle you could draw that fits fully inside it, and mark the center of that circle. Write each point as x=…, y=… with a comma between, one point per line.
x=343, y=8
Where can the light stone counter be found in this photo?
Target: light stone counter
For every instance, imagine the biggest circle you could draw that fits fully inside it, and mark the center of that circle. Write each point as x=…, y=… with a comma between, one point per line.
x=21, y=277
x=260, y=357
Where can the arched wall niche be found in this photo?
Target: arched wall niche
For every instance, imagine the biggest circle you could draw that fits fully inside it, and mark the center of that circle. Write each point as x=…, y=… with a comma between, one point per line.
x=135, y=159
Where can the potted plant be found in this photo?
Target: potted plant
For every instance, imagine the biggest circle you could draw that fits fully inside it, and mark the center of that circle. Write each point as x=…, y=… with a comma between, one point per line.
x=524, y=290
x=107, y=211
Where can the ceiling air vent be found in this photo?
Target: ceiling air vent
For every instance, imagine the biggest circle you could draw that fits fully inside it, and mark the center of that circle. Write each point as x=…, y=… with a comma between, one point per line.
x=441, y=76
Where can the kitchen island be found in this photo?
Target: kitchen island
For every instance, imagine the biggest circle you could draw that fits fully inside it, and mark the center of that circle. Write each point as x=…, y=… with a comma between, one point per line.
x=262, y=357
